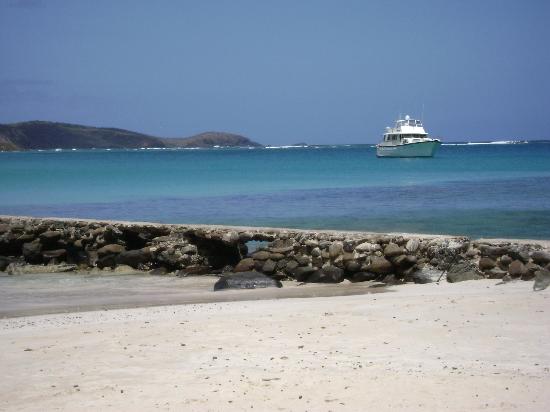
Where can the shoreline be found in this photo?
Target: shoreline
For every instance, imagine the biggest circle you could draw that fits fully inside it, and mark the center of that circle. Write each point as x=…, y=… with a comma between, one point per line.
x=543, y=242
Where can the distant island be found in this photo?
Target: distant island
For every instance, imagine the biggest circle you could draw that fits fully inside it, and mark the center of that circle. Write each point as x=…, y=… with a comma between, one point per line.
x=36, y=135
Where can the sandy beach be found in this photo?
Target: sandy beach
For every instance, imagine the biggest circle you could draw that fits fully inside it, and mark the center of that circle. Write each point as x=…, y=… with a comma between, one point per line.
x=474, y=345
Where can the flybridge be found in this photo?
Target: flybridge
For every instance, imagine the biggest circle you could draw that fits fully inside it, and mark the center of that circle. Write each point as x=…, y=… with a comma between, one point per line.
x=407, y=126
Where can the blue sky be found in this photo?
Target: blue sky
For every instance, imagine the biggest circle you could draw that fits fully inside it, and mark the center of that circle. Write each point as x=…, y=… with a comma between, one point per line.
x=280, y=72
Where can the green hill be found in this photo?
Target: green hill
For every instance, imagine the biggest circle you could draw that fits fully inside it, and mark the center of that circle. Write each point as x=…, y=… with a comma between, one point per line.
x=50, y=135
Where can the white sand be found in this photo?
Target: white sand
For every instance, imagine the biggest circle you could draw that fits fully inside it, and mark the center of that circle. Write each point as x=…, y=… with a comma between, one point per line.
x=460, y=347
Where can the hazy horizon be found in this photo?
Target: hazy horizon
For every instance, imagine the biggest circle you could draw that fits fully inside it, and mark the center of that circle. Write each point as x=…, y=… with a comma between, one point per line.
x=279, y=73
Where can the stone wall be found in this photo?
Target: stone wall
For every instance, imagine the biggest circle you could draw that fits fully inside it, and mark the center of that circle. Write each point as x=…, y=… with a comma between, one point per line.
x=307, y=256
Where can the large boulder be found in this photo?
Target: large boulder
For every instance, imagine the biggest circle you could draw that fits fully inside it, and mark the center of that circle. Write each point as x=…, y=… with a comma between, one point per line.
x=302, y=273
x=462, y=271
x=380, y=266
x=246, y=280
x=412, y=245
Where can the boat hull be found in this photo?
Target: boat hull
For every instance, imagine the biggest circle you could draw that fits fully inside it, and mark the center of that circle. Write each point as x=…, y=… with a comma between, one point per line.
x=420, y=149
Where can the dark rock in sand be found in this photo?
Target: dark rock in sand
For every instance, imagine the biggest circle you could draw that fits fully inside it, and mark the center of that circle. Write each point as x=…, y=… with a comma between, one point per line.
x=327, y=274
x=462, y=271
x=246, y=280
x=486, y=263
x=391, y=280
x=352, y=266
x=4, y=262
x=542, y=279
x=541, y=257
x=380, y=265
x=107, y=261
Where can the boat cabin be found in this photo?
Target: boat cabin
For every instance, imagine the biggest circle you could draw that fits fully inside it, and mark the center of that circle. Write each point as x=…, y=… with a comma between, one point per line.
x=405, y=131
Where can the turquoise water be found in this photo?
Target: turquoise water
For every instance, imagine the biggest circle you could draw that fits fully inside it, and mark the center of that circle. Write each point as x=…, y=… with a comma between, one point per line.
x=476, y=190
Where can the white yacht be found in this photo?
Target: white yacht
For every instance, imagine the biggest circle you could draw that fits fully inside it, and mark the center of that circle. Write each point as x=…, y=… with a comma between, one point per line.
x=407, y=139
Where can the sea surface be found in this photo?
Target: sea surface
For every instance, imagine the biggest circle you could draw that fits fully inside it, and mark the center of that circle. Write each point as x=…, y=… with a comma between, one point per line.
x=479, y=190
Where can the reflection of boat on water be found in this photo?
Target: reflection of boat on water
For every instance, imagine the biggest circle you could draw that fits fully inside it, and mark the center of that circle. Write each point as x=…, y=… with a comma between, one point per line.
x=407, y=139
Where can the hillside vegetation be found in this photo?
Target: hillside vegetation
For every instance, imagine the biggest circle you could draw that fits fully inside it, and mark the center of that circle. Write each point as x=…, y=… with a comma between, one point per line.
x=50, y=135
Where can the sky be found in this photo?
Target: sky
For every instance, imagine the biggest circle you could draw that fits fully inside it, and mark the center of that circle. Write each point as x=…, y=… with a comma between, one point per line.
x=280, y=72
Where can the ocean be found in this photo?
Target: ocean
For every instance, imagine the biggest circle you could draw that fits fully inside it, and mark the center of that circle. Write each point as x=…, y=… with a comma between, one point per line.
x=477, y=190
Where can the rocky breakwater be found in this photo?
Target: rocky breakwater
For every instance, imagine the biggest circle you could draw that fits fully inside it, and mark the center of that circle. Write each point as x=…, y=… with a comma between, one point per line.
x=40, y=245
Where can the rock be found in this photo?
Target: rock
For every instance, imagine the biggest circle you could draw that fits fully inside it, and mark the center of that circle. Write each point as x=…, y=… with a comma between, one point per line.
x=404, y=262
x=112, y=234
x=412, y=245
x=246, y=280
x=54, y=254
x=291, y=265
x=393, y=250
x=517, y=253
x=327, y=274
x=363, y=277
x=427, y=275
x=517, y=269
x=486, y=263
x=496, y=273
x=461, y=272
x=368, y=247
x=276, y=256
x=111, y=249
x=269, y=266
x=261, y=255
x=245, y=265
x=197, y=270
x=134, y=258
x=471, y=253
x=32, y=252
x=352, y=266
x=541, y=257
x=542, y=279
x=492, y=251
x=107, y=261
x=380, y=266
x=302, y=273
x=505, y=261
x=50, y=238
x=303, y=260
x=189, y=250
x=349, y=246
x=311, y=243
x=335, y=250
